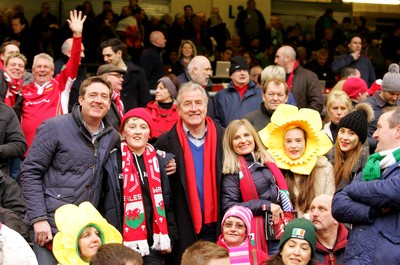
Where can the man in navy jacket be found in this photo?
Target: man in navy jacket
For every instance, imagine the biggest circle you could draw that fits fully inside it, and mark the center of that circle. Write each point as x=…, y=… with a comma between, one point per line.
x=371, y=203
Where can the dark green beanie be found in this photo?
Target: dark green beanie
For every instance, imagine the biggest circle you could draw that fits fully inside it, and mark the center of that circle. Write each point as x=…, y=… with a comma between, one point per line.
x=302, y=229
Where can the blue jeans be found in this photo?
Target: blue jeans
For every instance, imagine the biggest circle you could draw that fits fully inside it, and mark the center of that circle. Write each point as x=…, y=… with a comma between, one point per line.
x=43, y=255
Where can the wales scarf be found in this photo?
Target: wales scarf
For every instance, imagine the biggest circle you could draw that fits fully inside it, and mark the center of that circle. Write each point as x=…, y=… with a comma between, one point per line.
x=210, y=176
x=134, y=224
x=378, y=161
x=14, y=88
x=116, y=97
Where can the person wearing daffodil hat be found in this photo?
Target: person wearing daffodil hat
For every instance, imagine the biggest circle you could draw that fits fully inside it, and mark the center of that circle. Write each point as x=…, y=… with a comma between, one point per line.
x=296, y=140
x=82, y=230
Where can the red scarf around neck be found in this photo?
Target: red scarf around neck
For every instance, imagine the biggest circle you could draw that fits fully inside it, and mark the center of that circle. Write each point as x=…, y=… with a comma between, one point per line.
x=14, y=87
x=241, y=90
x=210, y=176
x=134, y=224
x=116, y=97
x=290, y=78
x=249, y=192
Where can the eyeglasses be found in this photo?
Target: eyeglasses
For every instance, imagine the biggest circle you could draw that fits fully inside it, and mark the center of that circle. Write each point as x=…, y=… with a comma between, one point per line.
x=116, y=74
x=238, y=226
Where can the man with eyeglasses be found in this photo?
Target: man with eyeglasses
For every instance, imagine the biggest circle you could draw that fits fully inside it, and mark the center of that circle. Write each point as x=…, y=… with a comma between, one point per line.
x=114, y=75
x=274, y=93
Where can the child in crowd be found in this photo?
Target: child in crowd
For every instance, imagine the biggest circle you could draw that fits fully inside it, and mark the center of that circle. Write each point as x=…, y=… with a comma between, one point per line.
x=82, y=230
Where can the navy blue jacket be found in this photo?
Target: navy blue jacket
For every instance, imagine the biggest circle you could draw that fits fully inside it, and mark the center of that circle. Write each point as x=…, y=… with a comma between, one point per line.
x=264, y=182
x=375, y=237
x=63, y=166
x=229, y=106
x=363, y=64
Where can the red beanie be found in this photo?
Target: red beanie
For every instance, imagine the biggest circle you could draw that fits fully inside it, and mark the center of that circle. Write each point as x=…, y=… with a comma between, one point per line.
x=139, y=113
x=355, y=86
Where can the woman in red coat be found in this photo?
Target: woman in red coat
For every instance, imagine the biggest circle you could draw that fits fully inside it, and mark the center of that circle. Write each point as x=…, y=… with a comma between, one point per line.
x=163, y=110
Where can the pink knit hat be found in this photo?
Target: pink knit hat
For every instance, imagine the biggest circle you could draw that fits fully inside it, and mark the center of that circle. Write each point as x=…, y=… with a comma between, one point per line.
x=242, y=213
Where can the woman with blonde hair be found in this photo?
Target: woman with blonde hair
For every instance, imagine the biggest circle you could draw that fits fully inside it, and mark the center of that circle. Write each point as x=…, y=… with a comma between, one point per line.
x=247, y=182
x=294, y=138
x=187, y=50
x=338, y=104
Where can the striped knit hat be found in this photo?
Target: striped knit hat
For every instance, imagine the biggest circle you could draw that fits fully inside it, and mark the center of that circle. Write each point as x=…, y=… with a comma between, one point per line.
x=242, y=213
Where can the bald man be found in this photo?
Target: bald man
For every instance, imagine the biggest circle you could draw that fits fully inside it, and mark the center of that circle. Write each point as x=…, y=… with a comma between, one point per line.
x=60, y=64
x=303, y=84
x=331, y=235
x=199, y=71
x=151, y=60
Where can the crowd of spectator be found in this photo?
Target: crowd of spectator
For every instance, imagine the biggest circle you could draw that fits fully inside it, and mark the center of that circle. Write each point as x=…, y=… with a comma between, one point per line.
x=306, y=125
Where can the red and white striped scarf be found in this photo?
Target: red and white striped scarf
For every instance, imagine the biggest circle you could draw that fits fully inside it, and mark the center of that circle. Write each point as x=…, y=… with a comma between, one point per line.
x=134, y=224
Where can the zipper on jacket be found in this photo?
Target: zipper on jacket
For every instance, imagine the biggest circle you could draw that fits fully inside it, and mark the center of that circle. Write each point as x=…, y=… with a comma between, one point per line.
x=331, y=258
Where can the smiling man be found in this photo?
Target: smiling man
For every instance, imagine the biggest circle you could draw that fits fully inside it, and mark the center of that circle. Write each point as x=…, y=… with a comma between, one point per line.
x=371, y=201
x=48, y=97
x=196, y=142
x=242, y=95
x=66, y=162
x=135, y=88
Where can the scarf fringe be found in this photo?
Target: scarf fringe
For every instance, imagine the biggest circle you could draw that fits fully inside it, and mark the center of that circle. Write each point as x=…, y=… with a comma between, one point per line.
x=140, y=246
x=161, y=242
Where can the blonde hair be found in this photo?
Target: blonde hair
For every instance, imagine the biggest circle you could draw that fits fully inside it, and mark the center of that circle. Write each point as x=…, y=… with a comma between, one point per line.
x=230, y=161
x=273, y=72
x=337, y=96
x=15, y=55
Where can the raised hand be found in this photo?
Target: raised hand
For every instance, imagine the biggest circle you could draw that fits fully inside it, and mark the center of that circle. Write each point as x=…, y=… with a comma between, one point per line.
x=75, y=22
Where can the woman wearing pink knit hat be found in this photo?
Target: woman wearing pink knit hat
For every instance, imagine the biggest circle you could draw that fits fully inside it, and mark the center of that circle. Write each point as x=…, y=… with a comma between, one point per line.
x=236, y=226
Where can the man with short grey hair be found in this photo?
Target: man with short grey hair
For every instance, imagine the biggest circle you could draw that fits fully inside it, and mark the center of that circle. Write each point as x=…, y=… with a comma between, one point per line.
x=196, y=142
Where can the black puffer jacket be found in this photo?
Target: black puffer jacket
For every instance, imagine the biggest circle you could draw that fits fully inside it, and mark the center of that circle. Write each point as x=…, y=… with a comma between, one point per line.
x=265, y=185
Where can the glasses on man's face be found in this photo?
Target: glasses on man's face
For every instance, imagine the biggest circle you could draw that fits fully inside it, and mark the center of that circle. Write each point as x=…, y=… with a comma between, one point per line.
x=118, y=75
x=238, y=226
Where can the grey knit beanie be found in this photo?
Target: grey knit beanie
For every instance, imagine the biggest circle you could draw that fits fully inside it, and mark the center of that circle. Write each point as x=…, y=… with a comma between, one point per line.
x=391, y=80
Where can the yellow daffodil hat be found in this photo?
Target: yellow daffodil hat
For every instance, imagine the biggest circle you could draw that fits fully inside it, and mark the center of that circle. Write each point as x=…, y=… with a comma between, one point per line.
x=71, y=220
x=287, y=117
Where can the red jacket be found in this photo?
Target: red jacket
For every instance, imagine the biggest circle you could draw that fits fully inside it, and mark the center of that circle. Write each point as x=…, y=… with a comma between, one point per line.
x=325, y=257
x=50, y=100
x=164, y=119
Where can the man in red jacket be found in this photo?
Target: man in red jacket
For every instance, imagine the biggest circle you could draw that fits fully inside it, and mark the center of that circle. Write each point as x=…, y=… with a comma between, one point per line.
x=47, y=97
x=331, y=235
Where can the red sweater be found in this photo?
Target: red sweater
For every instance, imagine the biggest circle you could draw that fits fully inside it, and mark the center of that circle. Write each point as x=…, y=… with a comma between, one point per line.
x=43, y=102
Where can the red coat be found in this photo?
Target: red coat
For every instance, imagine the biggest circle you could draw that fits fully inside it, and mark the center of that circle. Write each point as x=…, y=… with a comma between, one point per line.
x=164, y=119
x=323, y=256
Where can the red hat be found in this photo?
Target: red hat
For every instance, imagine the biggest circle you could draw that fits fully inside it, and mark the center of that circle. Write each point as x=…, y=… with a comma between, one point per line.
x=139, y=113
x=354, y=87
